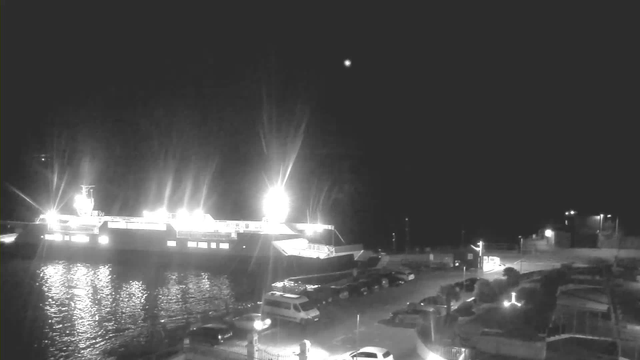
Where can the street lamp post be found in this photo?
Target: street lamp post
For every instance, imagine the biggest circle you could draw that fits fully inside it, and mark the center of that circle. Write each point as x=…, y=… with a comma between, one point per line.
x=571, y=214
x=479, y=249
x=406, y=228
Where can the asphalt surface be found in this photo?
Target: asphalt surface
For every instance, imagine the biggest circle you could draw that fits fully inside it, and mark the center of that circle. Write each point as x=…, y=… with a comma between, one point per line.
x=336, y=333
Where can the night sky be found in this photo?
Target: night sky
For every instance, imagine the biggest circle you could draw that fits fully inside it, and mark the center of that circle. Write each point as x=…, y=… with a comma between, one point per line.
x=491, y=120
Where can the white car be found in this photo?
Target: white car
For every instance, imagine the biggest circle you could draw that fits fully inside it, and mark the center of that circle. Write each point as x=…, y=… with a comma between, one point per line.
x=251, y=322
x=369, y=352
x=404, y=275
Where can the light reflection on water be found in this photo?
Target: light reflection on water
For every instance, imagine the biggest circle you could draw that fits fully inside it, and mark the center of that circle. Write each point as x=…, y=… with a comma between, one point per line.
x=81, y=310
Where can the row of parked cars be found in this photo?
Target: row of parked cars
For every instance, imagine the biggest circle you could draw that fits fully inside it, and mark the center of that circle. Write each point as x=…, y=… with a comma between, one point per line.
x=415, y=312
x=362, y=285
x=296, y=308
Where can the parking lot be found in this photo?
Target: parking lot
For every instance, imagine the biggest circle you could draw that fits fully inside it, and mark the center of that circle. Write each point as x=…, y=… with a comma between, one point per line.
x=336, y=332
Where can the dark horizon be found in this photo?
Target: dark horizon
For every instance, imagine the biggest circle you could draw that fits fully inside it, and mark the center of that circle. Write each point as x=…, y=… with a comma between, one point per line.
x=489, y=123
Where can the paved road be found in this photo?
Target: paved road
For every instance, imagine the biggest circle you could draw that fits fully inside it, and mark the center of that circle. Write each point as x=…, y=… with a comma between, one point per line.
x=336, y=333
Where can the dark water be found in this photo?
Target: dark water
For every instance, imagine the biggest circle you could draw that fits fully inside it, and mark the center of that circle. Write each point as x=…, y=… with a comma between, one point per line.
x=76, y=310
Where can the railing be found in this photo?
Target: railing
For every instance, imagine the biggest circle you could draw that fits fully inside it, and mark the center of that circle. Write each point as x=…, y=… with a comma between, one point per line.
x=262, y=354
x=501, y=247
x=164, y=354
x=216, y=353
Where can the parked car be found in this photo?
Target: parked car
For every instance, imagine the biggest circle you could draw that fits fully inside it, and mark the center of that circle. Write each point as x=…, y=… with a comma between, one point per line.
x=405, y=275
x=433, y=300
x=356, y=289
x=410, y=315
x=211, y=335
x=376, y=279
x=394, y=280
x=431, y=303
x=467, y=285
x=251, y=322
x=321, y=294
x=369, y=352
x=371, y=284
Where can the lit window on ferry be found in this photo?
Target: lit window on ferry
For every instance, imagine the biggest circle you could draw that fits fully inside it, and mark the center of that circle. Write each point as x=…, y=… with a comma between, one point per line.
x=213, y=245
x=171, y=243
x=202, y=245
x=224, y=245
x=192, y=244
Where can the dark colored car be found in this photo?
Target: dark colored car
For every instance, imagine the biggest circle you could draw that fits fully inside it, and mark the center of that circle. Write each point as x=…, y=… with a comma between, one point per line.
x=468, y=285
x=412, y=316
x=433, y=300
x=372, y=284
x=357, y=289
x=320, y=294
x=394, y=280
x=212, y=334
x=381, y=281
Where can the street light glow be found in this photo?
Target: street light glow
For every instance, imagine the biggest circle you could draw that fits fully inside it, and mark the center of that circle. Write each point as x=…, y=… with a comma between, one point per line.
x=513, y=301
x=276, y=205
x=548, y=233
x=258, y=325
x=51, y=216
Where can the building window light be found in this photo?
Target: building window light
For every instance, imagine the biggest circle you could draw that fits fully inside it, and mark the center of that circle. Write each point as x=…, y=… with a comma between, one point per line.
x=54, y=237
x=171, y=243
x=192, y=244
x=203, y=245
x=213, y=245
x=224, y=245
x=80, y=238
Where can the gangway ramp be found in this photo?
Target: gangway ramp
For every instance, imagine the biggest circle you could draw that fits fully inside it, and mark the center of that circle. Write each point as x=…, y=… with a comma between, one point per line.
x=302, y=247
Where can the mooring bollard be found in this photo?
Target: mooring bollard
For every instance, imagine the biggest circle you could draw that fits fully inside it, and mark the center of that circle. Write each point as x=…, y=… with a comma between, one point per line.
x=305, y=347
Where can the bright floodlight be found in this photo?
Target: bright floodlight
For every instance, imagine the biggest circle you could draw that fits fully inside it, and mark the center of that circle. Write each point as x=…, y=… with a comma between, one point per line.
x=183, y=214
x=513, y=301
x=276, y=205
x=548, y=233
x=198, y=214
x=258, y=325
x=51, y=216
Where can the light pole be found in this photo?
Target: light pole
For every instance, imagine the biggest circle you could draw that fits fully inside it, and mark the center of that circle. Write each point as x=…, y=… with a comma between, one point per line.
x=358, y=331
x=479, y=249
x=601, y=221
x=521, y=244
x=393, y=242
x=571, y=214
x=406, y=229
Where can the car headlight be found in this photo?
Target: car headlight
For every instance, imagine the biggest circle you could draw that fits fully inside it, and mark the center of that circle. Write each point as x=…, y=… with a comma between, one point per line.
x=267, y=322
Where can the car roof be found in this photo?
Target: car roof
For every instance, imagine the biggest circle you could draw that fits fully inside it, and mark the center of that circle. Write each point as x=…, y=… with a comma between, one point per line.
x=215, y=326
x=374, y=349
x=254, y=315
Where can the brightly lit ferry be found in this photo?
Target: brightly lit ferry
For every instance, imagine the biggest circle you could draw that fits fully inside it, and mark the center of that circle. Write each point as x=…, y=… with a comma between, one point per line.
x=194, y=234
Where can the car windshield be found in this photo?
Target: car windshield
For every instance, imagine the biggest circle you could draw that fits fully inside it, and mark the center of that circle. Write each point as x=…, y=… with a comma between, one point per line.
x=386, y=354
x=307, y=306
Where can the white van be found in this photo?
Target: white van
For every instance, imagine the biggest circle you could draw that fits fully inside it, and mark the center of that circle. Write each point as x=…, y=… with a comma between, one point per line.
x=294, y=308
